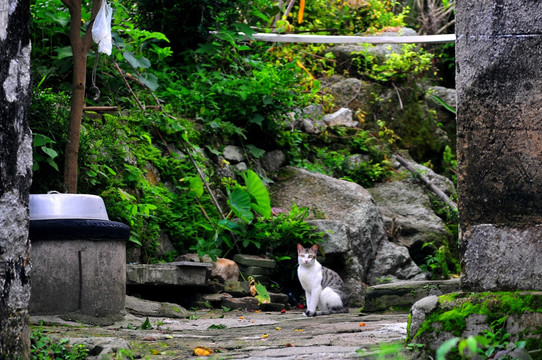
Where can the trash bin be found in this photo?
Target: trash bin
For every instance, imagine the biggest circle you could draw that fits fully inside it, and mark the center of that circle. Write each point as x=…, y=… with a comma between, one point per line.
x=78, y=256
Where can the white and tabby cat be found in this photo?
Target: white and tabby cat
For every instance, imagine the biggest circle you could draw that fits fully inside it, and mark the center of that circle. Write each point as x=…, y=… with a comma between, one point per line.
x=324, y=288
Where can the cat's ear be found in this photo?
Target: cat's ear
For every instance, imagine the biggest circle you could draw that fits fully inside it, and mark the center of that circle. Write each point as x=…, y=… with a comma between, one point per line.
x=315, y=248
x=300, y=248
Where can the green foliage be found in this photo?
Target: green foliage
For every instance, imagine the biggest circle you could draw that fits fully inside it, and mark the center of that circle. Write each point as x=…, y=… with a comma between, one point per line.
x=44, y=348
x=48, y=118
x=407, y=64
x=347, y=17
x=482, y=346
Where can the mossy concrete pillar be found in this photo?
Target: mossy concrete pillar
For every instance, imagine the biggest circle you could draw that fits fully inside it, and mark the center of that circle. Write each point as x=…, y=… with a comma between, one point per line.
x=499, y=120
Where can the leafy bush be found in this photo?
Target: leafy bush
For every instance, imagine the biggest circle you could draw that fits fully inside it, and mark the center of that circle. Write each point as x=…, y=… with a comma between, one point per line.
x=43, y=348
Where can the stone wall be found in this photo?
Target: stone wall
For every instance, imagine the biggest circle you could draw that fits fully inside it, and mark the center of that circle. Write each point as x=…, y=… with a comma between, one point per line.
x=499, y=91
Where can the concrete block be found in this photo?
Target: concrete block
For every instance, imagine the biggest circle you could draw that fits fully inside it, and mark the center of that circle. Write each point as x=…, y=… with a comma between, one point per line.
x=180, y=273
x=253, y=260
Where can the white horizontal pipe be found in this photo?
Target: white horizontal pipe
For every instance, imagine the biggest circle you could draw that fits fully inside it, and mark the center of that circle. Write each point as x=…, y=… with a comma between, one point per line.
x=332, y=39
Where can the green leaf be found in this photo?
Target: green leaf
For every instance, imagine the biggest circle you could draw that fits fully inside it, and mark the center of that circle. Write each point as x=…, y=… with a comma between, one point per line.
x=446, y=347
x=146, y=325
x=255, y=151
x=238, y=228
x=239, y=201
x=256, y=119
x=50, y=152
x=196, y=186
x=137, y=63
x=64, y=52
x=149, y=80
x=258, y=192
x=263, y=294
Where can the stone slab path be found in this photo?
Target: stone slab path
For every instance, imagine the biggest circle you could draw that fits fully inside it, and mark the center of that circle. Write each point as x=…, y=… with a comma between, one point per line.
x=236, y=334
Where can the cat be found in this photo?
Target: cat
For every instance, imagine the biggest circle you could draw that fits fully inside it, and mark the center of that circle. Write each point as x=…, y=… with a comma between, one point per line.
x=324, y=288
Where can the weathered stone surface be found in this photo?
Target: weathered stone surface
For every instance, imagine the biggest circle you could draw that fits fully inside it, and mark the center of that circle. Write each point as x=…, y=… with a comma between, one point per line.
x=272, y=306
x=406, y=209
x=237, y=288
x=143, y=307
x=179, y=273
x=271, y=161
x=352, y=93
x=81, y=275
x=253, y=260
x=245, y=303
x=429, y=327
x=499, y=87
x=502, y=258
x=278, y=298
x=255, y=270
x=243, y=334
x=404, y=294
x=341, y=117
x=393, y=263
x=233, y=153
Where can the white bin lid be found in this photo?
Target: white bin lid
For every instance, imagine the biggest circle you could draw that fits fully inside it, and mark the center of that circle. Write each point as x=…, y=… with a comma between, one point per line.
x=66, y=206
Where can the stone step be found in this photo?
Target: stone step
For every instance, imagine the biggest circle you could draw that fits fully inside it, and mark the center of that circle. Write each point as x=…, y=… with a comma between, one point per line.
x=179, y=273
x=400, y=296
x=253, y=260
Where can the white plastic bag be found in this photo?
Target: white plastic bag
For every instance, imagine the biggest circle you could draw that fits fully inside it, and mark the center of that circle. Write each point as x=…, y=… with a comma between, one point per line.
x=101, y=30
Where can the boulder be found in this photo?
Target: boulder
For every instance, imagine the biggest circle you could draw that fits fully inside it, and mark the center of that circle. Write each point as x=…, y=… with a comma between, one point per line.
x=406, y=209
x=393, y=263
x=272, y=161
x=224, y=270
x=342, y=117
x=353, y=226
x=352, y=93
x=233, y=153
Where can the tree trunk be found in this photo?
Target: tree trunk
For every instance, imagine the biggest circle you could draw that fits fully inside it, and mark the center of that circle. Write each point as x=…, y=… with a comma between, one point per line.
x=80, y=47
x=15, y=178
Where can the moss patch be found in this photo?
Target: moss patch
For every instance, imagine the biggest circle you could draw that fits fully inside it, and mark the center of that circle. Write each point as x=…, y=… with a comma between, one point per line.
x=455, y=308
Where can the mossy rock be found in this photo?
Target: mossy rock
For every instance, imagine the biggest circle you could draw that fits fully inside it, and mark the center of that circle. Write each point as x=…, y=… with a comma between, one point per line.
x=434, y=320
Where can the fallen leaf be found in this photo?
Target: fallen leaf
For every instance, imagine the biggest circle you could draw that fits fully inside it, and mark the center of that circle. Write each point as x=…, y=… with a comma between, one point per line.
x=240, y=317
x=283, y=311
x=257, y=311
x=298, y=329
x=289, y=345
x=362, y=324
x=202, y=351
x=155, y=352
x=149, y=338
x=278, y=328
x=264, y=336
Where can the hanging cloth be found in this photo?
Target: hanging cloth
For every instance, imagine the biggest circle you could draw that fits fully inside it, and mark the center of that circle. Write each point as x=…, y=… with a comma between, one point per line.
x=101, y=30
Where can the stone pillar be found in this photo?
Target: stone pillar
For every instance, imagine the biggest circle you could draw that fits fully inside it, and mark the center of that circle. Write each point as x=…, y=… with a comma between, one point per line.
x=499, y=121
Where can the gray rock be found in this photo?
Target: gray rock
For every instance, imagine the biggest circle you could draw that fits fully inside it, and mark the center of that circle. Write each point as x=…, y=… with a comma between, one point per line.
x=393, y=263
x=420, y=310
x=407, y=213
x=245, y=303
x=242, y=166
x=272, y=161
x=404, y=294
x=342, y=117
x=233, y=153
x=143, y=307
x=100, y=346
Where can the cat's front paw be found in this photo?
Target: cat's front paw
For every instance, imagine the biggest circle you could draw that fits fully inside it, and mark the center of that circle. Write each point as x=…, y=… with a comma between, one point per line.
x=310, y=313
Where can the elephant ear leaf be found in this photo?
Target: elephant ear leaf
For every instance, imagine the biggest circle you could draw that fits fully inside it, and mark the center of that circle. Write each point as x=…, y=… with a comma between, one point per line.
x=239, y=201
x=257, y=190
